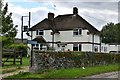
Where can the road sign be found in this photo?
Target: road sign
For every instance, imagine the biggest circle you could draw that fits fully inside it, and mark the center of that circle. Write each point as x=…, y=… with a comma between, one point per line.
x=31, y=42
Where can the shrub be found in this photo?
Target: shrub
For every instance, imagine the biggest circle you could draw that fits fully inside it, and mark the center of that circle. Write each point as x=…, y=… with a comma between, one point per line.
x=20, y=46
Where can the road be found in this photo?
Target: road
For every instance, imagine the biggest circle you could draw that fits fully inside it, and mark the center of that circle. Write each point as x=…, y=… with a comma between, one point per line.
x=107, y=75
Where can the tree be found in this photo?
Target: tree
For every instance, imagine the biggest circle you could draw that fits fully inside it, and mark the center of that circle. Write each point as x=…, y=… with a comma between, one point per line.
x=0, y=13
x=7, y=28
x=109, y=33
x=118, y=32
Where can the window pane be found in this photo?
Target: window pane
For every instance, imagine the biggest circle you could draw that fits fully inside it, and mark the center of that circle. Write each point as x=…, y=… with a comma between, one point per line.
x=37, y=45
x=80, y=31
x=40, y=32
x=36, y=32
x=75, y=31
x=75, y=47
x=96, y=48
x=105, y=49
x=79, y=47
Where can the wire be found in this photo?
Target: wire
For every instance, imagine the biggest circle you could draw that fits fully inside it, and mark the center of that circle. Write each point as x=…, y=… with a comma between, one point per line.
x=95, y=18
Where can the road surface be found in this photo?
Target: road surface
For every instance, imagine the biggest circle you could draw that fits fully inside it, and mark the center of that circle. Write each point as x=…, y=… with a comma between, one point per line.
x=107, y=75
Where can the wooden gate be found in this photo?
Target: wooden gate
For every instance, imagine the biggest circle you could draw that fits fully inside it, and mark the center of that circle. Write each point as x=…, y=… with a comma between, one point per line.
x=11, y=56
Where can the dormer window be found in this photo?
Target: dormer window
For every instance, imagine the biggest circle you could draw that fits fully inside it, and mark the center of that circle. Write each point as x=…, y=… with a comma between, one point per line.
x=39, y=32
x=77, y=31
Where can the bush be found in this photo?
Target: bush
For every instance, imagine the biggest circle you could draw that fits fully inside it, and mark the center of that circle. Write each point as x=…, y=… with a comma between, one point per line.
x=19, y=47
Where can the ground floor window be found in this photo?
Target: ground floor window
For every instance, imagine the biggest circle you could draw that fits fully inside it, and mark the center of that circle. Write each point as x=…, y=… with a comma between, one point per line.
x=76, y=47
x=37, y=46
x=96, y=48
x=105, y=49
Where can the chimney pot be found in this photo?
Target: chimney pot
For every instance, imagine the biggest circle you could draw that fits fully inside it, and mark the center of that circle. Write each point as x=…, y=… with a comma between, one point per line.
x=75, y=10
x=51, y=16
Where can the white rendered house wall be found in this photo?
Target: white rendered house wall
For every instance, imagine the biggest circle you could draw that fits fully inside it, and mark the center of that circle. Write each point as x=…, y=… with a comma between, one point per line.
x=67, y=36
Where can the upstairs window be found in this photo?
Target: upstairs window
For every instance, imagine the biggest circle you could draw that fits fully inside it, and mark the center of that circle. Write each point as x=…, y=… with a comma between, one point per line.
x=39, y=32
x=77, y=31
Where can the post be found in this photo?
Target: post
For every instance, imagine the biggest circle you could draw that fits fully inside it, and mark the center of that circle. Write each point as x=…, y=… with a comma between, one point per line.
x=31, y=56
x=22, y=29
x=31, y=51
x=29, y=20
x=20, y=52
x=14, y=56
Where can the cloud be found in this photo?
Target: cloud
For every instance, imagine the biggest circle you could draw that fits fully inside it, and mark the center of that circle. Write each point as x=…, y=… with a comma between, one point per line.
x=76, y=0
x=37, y=14
x=96, y=13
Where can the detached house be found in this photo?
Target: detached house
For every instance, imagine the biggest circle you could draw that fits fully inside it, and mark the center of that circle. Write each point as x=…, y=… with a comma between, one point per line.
x=66, y=32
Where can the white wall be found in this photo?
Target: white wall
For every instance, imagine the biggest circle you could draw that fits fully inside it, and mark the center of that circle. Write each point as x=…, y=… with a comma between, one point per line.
x=87, y=47
x=67, y=36
x=96, y=38
x=114, y=47
x=47, y=35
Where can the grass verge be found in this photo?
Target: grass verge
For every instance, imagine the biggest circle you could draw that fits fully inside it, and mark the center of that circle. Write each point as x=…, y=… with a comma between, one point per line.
x=69, y=73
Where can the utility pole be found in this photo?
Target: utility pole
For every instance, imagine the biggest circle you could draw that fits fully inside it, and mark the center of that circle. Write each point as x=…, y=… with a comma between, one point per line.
x=29, y=20
x=31, y=56
x=22, y=29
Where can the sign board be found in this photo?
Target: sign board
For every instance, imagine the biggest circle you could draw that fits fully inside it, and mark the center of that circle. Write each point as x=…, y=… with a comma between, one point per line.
x=31, y=42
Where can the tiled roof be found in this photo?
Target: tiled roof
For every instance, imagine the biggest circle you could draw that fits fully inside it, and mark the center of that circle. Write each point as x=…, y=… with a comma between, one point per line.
x=65, y=22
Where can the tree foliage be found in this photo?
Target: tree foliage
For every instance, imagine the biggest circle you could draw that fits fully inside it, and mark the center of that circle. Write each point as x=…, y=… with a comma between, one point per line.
x=110, y=33
x=8, y=30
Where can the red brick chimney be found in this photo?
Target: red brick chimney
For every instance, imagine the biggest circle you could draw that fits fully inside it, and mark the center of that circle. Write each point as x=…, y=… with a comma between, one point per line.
x=75, y=10
x=51, y=16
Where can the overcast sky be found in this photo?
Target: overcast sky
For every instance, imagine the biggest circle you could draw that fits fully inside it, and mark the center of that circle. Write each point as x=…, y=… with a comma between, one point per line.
x=96, y=13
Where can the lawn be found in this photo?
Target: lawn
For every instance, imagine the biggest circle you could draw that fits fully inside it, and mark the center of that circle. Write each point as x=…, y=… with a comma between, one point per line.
x=69, y=73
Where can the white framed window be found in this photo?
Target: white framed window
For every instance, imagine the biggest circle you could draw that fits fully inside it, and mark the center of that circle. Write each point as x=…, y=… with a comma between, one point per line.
x=105, y=49
x=101, y=48
x=38, y=46
x=96, y=48
x=39, y=32
x=76, y=47
x=77, y=31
